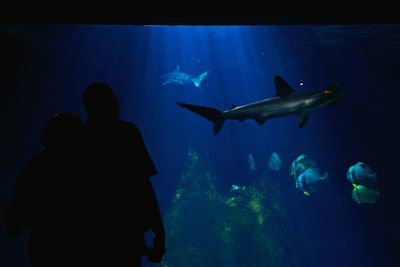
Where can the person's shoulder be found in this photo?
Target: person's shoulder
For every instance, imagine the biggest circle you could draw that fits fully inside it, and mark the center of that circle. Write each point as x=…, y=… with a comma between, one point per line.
x=129, y=127
x=37, y=161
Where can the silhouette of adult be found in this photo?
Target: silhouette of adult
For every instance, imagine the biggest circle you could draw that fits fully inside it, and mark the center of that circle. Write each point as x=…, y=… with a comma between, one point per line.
x=48, y=195
x=124, y=202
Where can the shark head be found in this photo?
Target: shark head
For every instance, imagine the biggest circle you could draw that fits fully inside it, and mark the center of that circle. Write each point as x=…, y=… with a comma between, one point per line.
x=330, y=95
x=334, y=92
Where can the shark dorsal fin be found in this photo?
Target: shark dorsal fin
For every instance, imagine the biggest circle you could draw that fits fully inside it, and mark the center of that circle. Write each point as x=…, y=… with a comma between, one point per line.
x=283, y=89
x=178, y=68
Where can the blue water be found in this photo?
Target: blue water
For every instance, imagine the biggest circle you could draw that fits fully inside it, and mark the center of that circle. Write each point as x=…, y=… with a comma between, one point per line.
x=44, y=69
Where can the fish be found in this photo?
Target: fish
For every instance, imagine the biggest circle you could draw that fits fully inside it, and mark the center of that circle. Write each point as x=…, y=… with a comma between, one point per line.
x=252, y=163
x=311, y=181
x=363, y=194
x=361, y=174
x=274, y=162
x=301, y=164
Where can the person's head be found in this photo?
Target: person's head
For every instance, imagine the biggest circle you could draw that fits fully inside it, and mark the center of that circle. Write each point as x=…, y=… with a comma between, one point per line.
x=100, y=102
x=62, y=132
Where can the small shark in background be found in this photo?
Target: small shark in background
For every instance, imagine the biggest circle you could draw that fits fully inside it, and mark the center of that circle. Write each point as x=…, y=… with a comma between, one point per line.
x=286, y=102
x=178, y=77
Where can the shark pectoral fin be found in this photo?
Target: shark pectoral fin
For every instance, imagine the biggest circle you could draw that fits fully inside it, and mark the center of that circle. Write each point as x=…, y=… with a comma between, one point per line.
x=260, y=121
x=218, y=125
x=303, y=118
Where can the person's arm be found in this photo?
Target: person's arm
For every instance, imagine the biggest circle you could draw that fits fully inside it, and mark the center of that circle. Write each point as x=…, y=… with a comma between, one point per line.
x=17, y=215
x=157, y=250
x=148, y=169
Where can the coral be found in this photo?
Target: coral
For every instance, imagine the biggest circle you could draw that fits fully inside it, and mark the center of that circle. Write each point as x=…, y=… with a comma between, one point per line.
x=244, y=227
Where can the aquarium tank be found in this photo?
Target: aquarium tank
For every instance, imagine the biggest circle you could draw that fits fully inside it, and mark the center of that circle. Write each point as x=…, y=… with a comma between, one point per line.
x=276, y=145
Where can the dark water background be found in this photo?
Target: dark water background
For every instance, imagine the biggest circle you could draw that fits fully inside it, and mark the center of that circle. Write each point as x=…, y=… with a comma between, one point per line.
x=44, y=69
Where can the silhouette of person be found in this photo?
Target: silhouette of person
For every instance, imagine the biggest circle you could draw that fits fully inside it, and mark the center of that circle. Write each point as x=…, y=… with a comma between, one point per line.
x=47, y=195
x=124, y=202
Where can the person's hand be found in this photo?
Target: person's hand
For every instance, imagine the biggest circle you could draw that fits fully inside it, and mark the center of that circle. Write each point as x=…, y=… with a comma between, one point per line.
x=155, y=255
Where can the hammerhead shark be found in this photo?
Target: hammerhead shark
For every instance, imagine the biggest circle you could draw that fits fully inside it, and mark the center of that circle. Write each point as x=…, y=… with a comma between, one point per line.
x=286, y=102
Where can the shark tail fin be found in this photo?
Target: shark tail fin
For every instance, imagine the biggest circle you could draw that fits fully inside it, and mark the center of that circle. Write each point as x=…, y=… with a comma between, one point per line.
x=197, y=81
x=210, y=114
